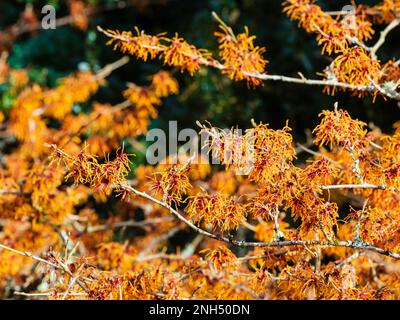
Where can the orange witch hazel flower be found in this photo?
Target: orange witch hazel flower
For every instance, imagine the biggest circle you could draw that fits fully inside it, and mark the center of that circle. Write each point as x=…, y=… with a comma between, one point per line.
x=221, y=258
x=309, y=14
x=390, y=74
x=312, y=18
x=80, y=167
x=354, y=66
x=241, y=57
x=142, y=45
x=76, y=88
x=164, y=84
x=389, y=10
x=337, y=128
x=361, y=28
x=184, y=55
x=143, y=98
x=111, y=174
x=218, y=210
x=333, y=35
x=172, y=182
x=78, y=11
x=85, y=168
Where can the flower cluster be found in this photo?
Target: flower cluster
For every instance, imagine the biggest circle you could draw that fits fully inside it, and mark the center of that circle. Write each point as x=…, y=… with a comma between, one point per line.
x=345, y=36
x=356, y=67
x=172, y=183
x=79, y=12
x=333, y=35
x=242, y=60
x=221, y=258
x=141, y=46
x=164, y=84
x=85, y=169
x=339, y=129
x=241, y=57
x=179, y=53
x=218, y=210
x=388, y=9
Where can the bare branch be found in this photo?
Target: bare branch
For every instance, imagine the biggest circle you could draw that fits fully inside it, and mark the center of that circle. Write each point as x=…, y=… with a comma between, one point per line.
x=128, y=223
x=354, y=186
x=28, y=254
x=383, y=36
x=59, y=265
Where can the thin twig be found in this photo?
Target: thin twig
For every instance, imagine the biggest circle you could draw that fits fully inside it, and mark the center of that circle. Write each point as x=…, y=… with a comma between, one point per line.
x=158, y=240
x=242, y=287
x=128, y=223
x=162, y=256
x=59, y=264
x=46, y=294
x=109, y=68
x=383, y=36
x=28, y=254
x=354, y=186
x=350, y=258
x=264, y=256
x=14, y=192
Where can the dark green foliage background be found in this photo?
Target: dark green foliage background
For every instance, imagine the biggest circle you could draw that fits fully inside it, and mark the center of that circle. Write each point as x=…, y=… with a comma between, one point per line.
x=209, y=95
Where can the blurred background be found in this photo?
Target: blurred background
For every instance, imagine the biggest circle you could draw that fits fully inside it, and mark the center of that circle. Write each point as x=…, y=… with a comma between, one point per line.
x=50, y=54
